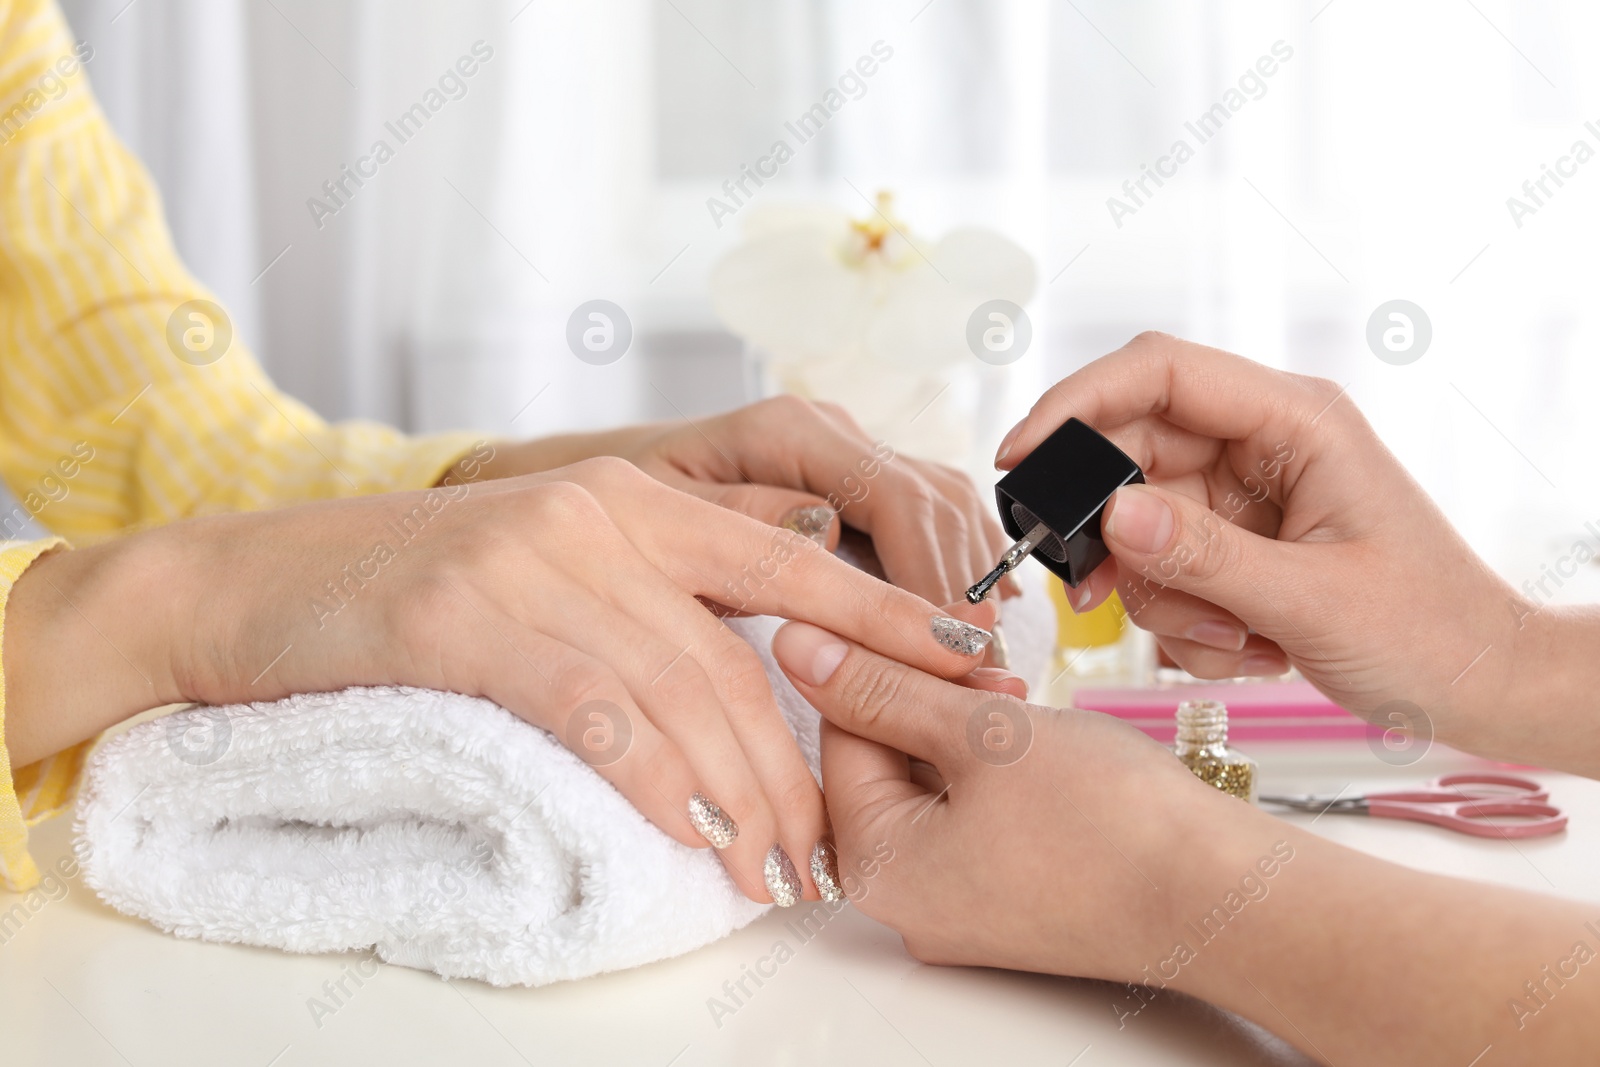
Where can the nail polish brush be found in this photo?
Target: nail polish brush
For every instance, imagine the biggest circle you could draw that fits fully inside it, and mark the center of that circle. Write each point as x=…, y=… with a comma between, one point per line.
x=1052, y=501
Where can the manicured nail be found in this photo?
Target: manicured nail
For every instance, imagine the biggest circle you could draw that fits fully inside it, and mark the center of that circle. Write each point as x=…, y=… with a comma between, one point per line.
x=1215, y=634
x=996, y=677
x=813, y=522
x=1263, y=666
x=1081, y=597
x=958, y=636
x=999, y=651
x=1140, y=519
x=711, y=822
x=825, y=871
x=1007, y=441
x=809, y=652
x=783, y=881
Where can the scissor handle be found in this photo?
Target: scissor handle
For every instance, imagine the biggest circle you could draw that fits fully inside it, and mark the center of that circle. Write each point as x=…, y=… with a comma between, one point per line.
x=1533, y=818
x=1490, y=786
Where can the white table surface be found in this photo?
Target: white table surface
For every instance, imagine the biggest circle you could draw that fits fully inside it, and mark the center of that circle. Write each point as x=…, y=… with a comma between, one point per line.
x=82, y=985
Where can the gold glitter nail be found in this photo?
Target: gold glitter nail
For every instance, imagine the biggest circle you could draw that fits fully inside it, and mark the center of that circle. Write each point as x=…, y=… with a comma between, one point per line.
x=712, y=822
x=1202, y=745
x=825, y=871
x=783, y=881
x=958, y=636
x=813, y=522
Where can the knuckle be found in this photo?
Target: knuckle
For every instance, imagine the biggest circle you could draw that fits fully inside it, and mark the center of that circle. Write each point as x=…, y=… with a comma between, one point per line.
x=609, y=470
x=1150, y=339
x=575, y=684
x=870, y=689
x=555, y=503
x=739, y=674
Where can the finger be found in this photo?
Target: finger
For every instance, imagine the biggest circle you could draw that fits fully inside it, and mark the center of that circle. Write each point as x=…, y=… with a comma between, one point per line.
x=1204, y=390
x=668, y=682
x=585, y=705
x=983, y=536
x=1259, y=658
x=865, y=783
x=876, y=697
x=1168, y=612
x=747, y=566
x=1161, y=538
x=739, y=680
x=804, y=513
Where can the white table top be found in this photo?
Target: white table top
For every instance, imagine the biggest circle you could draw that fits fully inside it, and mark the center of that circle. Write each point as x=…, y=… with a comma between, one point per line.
x=83, y=985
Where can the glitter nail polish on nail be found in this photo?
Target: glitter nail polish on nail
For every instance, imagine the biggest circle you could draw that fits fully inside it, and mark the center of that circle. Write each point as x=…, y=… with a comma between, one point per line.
x=813, y=522
x=711, y=822
x=825, y=872
x=783, y=881
x=960, y=636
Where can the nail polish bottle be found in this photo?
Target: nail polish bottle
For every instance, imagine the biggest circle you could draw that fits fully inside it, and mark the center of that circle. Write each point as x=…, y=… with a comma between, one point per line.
x=1202, y=745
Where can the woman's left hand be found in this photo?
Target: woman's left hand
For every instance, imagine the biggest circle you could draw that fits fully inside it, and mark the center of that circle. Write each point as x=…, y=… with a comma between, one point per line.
x=781, y=460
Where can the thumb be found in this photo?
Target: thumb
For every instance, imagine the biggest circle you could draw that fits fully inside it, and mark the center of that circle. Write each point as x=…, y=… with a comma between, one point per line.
x=1162, y=538
x=805, y=514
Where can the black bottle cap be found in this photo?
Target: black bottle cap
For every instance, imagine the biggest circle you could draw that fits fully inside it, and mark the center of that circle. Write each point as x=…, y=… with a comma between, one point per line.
x=1065, y=483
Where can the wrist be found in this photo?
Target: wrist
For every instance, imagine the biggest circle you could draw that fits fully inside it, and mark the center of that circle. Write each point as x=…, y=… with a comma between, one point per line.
x=1550, y=681
x=86, y=644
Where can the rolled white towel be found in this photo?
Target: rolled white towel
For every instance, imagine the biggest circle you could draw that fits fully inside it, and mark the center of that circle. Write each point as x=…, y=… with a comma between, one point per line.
x=438, y=830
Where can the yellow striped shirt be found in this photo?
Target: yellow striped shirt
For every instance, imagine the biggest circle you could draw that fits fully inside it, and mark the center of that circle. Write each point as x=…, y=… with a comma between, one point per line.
x=110, y=419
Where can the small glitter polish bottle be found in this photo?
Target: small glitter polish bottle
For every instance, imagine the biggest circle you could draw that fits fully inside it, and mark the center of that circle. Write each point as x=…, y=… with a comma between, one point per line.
x=1202, y=745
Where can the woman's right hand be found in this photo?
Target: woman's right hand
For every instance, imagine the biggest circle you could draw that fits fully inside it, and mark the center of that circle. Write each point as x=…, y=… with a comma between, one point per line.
x=1277, y=529
x=578, y=599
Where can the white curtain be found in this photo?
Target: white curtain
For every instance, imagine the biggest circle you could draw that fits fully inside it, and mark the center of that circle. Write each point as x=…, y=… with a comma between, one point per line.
x=1373, y=163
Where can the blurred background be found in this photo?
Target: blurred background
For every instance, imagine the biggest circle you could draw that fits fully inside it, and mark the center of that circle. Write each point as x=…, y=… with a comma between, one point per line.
x=1373, y=164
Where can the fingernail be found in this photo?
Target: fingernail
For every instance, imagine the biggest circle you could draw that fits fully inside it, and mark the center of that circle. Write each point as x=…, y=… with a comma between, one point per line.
x=1265, y=666
x=958, y=636
x=711, y=822
x=809, y=652
x=999, y=651
x=1007, y=441
x=825, y=871
x=998, y=676
x=1214, y=634
x=1140, y=519
x=814, y=522
x=1081, y=597
x=783, y=881
x=1010, y=587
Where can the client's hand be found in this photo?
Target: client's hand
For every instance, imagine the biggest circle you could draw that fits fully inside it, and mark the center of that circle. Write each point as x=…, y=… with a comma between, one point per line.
x=578, y=599
x=781, y=459
x=1277, y=529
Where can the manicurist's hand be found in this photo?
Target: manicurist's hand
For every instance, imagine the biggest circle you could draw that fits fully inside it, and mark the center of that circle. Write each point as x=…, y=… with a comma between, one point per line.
x=991, y=832
x=580, y=599
x=794, y=463
x=1277, y=529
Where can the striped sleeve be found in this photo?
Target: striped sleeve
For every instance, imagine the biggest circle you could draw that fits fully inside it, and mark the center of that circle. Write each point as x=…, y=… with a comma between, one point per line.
x=115, y=364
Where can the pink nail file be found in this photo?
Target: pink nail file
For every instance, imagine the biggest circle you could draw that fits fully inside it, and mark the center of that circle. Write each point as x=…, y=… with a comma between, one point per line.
x=1257, y=711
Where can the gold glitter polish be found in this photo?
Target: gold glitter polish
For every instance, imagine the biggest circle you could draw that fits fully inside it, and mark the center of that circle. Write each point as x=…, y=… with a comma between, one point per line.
x=825, y=871
x=712, y=822
x=783, y=881
x=1202, y=745
x=813, y=522
x=958, y=636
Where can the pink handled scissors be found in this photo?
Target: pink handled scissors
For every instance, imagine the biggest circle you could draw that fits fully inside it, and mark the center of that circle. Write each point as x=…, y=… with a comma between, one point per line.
x=1486, y=805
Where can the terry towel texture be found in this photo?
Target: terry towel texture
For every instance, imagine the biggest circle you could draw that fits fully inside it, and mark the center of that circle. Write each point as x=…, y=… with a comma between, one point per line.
x=438, y=830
